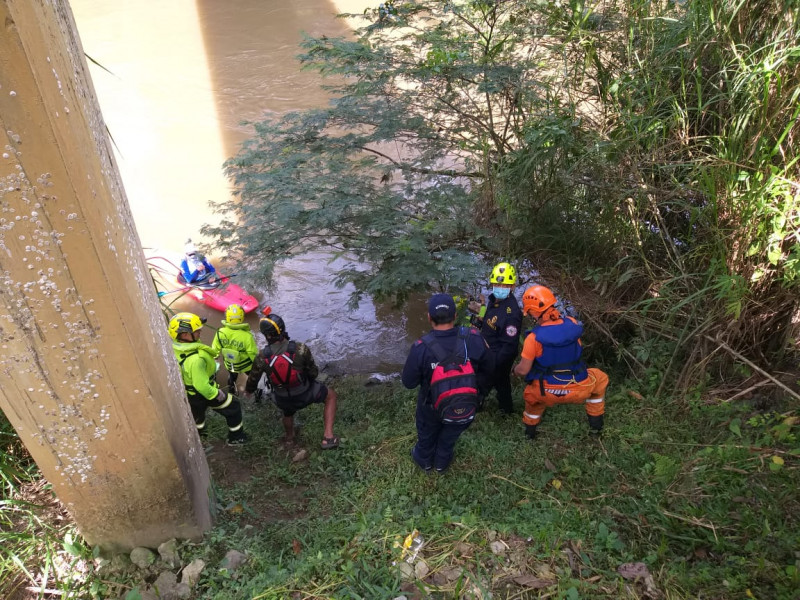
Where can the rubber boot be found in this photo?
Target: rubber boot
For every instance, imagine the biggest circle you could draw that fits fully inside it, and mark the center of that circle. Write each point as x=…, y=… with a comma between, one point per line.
x=530, y=432
x=595, y=424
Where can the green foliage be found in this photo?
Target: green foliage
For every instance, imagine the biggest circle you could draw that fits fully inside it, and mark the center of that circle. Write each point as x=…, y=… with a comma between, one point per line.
x=398, y=172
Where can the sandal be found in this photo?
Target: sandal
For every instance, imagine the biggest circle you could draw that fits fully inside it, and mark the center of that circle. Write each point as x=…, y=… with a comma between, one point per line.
x=329, y=443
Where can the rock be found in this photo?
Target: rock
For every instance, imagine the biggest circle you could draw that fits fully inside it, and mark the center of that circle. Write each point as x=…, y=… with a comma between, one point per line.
x=182, y=592
x=406, y=571
x=400, y=598
x=233, y=560
x=452, y=573
x=120, y=563
x=439, y=579
x=421, y=569
x=191, y=572
x=463, y=548
x=300, y=455
x=142, y=557
x=491, y=535
x=168, y=551
x=498, y=547
x=164, y=585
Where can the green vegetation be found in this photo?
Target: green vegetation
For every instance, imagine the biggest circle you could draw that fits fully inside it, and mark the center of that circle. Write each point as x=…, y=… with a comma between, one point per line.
x=647, y=149
x=703, y=495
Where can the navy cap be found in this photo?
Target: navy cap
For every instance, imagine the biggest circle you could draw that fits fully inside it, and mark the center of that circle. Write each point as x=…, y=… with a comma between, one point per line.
x=442, y=306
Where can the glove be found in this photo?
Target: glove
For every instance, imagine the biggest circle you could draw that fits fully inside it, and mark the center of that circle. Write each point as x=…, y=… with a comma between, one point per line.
x=530, y=431
x=221, y=396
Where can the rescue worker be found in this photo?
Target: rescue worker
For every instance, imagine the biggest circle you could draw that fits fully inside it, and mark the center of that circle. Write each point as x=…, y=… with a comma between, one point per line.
x=436, y=439
x=198, y=369
x=293, y=375
x=236, y=343
x=551, y=364
x=194, y=266
x=500, y=326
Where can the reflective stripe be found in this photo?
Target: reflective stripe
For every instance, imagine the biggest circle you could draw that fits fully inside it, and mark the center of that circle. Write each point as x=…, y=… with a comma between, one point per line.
x=228, y=400
x=237, y=428
x=594, y=400
x=200, y=425
x=530, y=416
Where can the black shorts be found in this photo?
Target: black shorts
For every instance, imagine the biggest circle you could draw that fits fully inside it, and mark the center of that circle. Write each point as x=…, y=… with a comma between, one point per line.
x=315, y=394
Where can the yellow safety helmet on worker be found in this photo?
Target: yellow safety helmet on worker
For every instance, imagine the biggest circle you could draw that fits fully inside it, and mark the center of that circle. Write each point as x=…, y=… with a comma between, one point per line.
x=503, y=273
x=184, y=322
x=234, y=314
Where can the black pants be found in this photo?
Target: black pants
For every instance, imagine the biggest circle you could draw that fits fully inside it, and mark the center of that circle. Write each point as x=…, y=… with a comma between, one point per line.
x=436, y=441
x=500, y=379
x=232, y=412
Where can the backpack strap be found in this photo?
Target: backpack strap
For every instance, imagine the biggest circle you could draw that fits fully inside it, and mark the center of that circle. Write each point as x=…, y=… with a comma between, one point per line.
x=185, y=356
x=441, y=355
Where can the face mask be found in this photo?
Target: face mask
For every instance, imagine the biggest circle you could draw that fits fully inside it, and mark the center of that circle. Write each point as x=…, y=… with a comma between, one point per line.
x=501, y=293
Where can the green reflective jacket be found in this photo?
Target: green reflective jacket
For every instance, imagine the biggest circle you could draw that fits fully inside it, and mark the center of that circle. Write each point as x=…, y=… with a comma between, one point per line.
x=198, y=367
x=237, y=346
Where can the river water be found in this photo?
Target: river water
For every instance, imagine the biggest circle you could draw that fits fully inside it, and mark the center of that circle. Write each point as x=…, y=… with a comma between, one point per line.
x=174, y=80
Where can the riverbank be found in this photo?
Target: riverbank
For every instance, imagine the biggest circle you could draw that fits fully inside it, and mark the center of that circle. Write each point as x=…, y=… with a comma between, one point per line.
x=699, y=499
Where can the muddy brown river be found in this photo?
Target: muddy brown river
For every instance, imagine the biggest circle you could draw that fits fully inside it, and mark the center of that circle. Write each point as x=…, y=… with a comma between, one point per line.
x=175, y=80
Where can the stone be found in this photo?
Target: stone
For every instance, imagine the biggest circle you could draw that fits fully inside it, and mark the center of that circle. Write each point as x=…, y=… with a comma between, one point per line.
x=498, y=547
x=191, y=572
x=300, y=455
x=453, y=573
x=406, y=571
x=165, y=584
x=421, y=569
x=233, y=560
x=142, y=557
x=168, y=551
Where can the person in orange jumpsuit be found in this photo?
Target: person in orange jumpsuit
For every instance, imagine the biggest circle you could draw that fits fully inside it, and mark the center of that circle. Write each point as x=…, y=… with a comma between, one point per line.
x=552, y=367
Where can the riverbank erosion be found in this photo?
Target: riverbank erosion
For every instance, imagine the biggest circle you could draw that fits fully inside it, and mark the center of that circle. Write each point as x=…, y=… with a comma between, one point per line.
x=679, y=499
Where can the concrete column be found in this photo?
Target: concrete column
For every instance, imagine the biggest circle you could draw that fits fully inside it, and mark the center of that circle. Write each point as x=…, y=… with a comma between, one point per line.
x=87, y=375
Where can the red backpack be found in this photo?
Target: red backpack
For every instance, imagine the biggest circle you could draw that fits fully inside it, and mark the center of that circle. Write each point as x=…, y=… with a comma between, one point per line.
x=280, y=368
x=454, y=385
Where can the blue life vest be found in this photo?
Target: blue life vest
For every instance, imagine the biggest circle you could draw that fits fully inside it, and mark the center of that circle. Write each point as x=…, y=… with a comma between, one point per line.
x=560, y=361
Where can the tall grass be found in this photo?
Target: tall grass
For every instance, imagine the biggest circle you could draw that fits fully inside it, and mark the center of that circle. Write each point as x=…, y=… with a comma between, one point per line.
x=672, y=175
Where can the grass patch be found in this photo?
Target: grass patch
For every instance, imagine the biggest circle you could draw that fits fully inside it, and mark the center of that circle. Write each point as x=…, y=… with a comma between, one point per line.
x=703, y=495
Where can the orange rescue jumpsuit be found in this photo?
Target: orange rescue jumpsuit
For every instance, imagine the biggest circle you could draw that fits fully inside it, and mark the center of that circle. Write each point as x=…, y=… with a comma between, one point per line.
x=561, y=388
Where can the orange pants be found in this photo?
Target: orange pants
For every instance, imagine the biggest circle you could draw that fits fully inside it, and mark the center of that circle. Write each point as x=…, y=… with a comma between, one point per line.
x=591, y=391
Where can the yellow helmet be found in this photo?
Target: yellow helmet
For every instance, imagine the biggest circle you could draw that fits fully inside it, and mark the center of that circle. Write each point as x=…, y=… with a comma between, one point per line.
x=503, y=273
x=184, y=322
x=234, y=314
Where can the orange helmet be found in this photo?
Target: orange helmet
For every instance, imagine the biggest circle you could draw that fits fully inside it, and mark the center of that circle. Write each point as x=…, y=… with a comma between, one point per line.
x=536, y=300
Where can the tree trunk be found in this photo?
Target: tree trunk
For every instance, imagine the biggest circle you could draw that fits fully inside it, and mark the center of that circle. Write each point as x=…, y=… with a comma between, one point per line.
x=87, y=373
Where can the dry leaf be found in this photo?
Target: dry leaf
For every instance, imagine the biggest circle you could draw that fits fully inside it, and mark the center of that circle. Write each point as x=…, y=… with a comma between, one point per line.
x=556, y=483
x=296, y=546
x=236, y=509
x=777, y=460
x=635, y=394
x=550, y=466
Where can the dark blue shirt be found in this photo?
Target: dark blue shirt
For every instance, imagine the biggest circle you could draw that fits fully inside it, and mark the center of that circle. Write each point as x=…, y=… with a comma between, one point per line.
x=421, y=361
x=501, y=327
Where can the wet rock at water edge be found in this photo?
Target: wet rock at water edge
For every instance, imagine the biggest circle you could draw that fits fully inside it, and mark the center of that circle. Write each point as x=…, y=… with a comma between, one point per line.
x=191, y=572
x=233, y=560
x=168, y=551
x=142, y=557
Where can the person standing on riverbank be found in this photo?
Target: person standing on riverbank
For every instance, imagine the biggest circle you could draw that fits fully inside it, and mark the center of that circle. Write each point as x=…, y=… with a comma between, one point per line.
x=293, y=375
x=500, y=327
x=551, y=364
x=198, y=370
x=436, y=438
x=235, y=342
